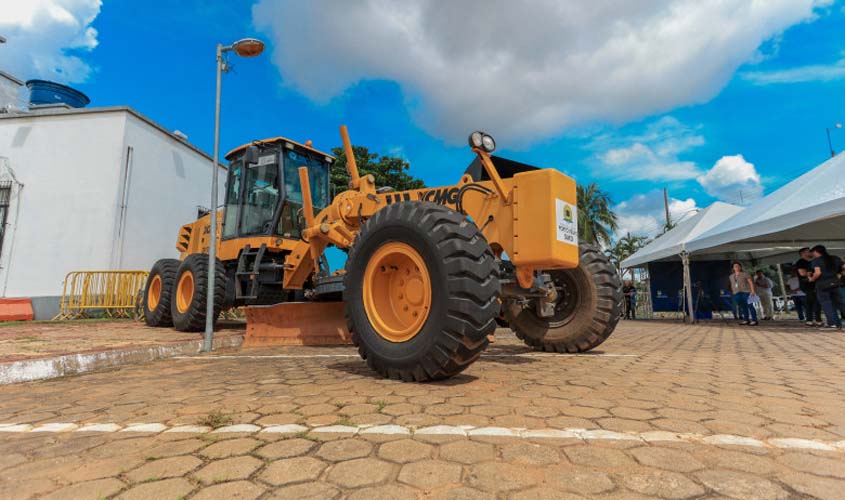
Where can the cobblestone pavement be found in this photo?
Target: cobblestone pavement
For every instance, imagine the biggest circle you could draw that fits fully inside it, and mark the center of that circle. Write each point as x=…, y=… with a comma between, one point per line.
x=662, y=410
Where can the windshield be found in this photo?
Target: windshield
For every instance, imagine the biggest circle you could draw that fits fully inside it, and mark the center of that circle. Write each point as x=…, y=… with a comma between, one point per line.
x=318, y=177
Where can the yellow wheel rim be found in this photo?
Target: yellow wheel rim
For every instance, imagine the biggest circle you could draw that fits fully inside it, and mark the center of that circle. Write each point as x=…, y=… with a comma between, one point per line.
x=185, y=292
x=154, y=293
x=397, y=292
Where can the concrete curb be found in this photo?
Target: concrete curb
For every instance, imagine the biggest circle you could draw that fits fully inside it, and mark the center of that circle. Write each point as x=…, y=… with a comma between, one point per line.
x=72, y=364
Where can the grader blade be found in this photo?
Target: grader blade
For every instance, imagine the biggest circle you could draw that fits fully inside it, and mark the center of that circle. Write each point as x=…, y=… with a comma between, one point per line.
x=296, y=323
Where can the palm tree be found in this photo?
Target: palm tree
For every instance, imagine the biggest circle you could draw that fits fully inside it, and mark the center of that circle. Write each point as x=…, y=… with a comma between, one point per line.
x=596, y=221
x=624, y=248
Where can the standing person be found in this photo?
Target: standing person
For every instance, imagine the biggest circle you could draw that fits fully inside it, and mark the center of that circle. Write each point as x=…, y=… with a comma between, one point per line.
x=827, y=275
x=812, y=306
x=798, y=297
x=630, y=293
x=742, y=287
x=764, y=290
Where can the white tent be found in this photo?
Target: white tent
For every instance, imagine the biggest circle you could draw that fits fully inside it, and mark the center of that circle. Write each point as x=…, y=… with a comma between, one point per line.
x=673, y=243
x=809, y=210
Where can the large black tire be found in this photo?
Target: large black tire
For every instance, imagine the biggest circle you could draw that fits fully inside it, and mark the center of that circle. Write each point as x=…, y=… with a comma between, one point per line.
x=587, y=312
x=465, y=292
x=160, y=284
x=191, y=317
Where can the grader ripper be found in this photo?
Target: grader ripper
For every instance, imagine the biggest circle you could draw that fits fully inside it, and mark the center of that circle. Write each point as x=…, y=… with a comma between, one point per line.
x=427, y=272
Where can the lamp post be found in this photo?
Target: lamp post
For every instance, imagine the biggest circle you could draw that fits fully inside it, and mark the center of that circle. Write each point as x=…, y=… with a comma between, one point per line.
x=247, y=47
x=830, y=144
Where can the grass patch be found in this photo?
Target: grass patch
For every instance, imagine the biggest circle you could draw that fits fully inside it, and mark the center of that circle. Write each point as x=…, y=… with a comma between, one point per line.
x=345, y=421
x=380, y=404
x=150, y=458
x=215, y=419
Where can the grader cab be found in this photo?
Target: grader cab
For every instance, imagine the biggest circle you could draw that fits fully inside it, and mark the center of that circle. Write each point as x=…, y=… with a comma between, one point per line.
x=428, y=271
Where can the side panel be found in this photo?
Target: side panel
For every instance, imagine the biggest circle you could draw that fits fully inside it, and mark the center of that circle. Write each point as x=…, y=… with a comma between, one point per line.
x=545, y=220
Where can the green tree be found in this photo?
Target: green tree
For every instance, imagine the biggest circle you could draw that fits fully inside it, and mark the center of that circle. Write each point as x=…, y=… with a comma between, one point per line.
x=596, y=221
x=387, y=170
x=624, y=248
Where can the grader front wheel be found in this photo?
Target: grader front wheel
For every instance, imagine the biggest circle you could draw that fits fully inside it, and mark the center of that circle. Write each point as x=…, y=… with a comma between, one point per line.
x=190, y=295
x=586, y=312
x=421, y=292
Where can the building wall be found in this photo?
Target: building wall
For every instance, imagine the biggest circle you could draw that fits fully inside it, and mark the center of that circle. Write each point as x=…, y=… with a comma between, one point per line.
x=68, y=168
x=166, y=183
x=102, y=190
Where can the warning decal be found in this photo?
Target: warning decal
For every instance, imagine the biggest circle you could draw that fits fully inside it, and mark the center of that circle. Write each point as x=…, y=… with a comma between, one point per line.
x=566, y=219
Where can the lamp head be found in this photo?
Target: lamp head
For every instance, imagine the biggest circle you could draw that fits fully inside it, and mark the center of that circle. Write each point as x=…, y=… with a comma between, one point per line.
x=248, y=47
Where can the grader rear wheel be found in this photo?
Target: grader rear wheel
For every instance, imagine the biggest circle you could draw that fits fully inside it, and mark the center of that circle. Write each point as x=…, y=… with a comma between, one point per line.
x=190, y=294
x=586, y=313
x=158, y=293
x=421, y=292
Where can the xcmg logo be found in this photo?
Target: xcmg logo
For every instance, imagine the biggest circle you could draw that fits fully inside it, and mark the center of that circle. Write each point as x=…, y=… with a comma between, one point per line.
x=441, y=196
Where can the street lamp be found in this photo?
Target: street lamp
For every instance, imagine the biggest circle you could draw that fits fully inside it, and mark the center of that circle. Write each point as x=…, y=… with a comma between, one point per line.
x=247, y=47
x=830, y=144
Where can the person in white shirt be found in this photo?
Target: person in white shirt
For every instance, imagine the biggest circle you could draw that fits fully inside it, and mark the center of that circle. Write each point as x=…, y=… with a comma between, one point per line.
x=764, y=290
x=798, y=297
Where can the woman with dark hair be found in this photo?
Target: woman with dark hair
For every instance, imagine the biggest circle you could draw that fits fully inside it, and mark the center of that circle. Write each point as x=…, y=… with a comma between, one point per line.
x=742, y=287
x=827, y=277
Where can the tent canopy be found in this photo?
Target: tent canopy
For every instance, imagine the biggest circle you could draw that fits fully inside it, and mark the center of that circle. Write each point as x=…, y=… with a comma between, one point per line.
x=674, y=241
x=809, y=210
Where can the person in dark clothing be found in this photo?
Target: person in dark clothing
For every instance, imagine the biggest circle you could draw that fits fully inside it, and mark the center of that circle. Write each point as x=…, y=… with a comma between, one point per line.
x=811, y=303
x=826, y=276
x=630, y=293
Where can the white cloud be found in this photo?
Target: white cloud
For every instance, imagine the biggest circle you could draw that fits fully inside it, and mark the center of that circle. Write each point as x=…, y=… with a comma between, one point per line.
x=732, y=179
x=523, y=70
x=645, y=215
x=39, y=34
x=652, y=155
x=800, y=74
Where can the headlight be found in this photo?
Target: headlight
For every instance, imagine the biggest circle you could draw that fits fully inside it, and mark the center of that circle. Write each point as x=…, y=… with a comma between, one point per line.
x=483, y=141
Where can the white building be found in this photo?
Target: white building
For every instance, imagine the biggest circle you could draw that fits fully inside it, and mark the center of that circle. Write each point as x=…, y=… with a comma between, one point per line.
x=90, y=189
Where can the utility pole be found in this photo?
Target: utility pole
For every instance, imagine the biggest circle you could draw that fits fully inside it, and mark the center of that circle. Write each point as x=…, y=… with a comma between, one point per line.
x=666, y=205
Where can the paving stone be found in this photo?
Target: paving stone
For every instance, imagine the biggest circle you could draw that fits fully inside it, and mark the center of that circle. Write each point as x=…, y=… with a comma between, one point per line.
x=670, y=485
x=530, y=454
x=293, y=470
x=25, y=488
x=404, y=451
x=736, y=460
x=344, y=449
x=168, y=488
x=228, y=469
x=467, y=452
x=100, y=488
x=175, y=448
x=286, y=448
x=359, y=472
x=578, y=480
x=819, y=466
x=544, y=494
x=462, y=493
x=95, y=469
x=306, y=491
x=241, y=490
x=819, y=487
x=666, y=459
x=595, y=456
x=740, y=485
x=501, y=477
x=230, y=447
x=430, y=474
x=163, y=468
x=387, y=492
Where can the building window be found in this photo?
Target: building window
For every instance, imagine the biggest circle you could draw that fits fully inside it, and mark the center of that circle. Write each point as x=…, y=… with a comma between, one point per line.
x=5, y=194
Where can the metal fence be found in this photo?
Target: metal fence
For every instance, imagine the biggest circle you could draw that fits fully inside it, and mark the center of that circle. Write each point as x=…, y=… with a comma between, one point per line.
x=112, y=293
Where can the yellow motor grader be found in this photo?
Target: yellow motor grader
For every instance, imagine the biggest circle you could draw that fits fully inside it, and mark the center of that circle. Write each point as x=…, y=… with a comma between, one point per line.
x=427, y=272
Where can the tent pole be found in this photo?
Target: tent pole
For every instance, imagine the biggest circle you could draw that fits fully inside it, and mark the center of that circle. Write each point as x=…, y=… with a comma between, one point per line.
x=688, y=286
x=782, y=289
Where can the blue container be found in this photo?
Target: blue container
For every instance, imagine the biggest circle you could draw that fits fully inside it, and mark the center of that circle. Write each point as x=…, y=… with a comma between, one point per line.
x=44, y=92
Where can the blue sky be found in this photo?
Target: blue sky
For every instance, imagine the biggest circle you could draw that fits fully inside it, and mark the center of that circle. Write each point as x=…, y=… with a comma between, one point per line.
x=710, y=122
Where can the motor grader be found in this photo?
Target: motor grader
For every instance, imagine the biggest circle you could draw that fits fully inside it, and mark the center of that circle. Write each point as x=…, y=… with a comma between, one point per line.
x=428, y=270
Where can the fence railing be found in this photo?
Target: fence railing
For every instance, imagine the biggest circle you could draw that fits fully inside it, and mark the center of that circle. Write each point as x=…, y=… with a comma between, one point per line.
x=112, y=293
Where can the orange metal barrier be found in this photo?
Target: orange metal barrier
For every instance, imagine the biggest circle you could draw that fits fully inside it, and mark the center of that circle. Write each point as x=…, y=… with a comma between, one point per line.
x=114, y=293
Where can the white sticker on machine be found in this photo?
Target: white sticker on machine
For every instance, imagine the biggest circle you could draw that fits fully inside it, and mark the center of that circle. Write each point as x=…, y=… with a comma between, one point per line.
x=566, y=218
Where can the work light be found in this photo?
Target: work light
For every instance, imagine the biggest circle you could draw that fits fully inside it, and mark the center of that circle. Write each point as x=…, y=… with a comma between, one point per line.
x=483, y=141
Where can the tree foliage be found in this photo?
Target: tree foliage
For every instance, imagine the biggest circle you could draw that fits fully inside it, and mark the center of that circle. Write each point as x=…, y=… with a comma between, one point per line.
x=596, y=221
x=387, y=170
x=624, y=248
